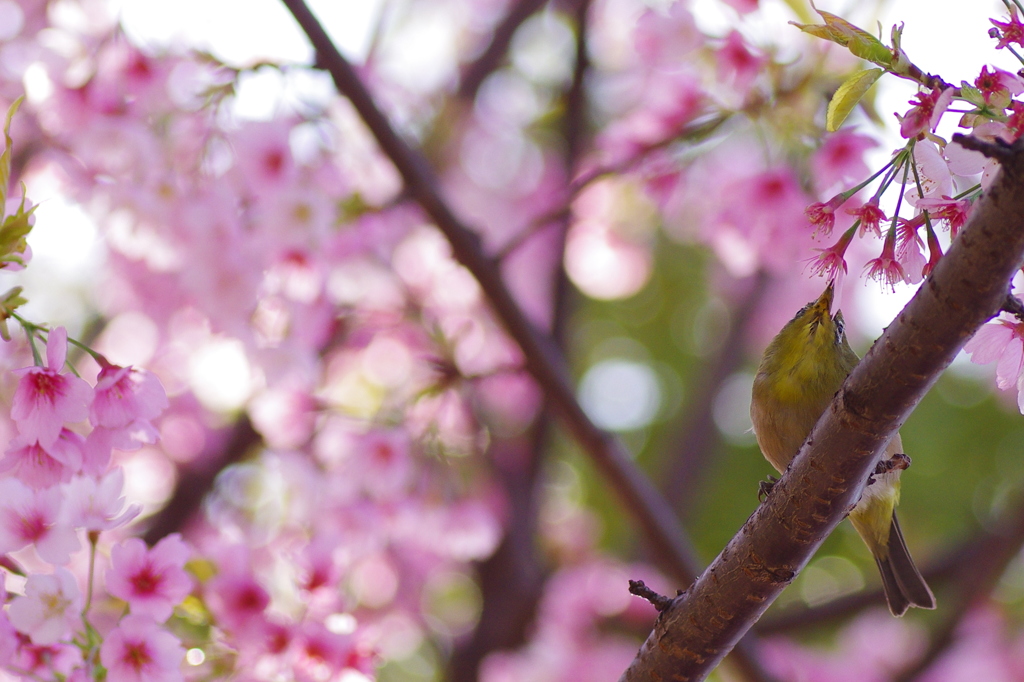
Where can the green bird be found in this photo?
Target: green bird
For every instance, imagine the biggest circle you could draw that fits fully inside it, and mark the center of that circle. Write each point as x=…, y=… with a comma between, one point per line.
x=802, y=369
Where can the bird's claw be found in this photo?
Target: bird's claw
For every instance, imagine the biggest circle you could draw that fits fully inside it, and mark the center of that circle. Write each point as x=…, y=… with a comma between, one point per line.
x=764, y=488
x=897, y=462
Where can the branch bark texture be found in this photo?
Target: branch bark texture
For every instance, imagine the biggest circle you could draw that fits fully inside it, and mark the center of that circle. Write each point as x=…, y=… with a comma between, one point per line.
x=826, y=479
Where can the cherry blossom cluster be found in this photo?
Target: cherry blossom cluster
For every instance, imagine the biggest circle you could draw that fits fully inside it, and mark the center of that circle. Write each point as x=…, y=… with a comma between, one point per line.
x=369, y=364
x=57, y=484
x=939, y=179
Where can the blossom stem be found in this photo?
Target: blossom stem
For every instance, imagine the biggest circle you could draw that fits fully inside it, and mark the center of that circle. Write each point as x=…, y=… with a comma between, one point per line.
x=892, y=165
x=968, y=191
x=32, y=330
x=94, y=537
x=920, y=193
x=899, y=200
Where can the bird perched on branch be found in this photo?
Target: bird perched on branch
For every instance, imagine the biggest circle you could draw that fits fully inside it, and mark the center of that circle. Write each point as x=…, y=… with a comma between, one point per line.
x=803, y=367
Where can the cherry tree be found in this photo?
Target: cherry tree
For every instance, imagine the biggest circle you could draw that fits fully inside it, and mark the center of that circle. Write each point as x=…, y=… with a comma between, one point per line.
x=422, y=378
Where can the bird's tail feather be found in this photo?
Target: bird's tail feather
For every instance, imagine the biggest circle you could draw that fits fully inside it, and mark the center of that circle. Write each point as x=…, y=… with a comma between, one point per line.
x=901, y=581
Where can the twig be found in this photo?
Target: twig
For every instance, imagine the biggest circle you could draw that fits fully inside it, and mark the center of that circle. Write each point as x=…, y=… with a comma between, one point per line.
x=658, y=601
x=976, y=580
x=692, y=132
x=1014, y=306
x=696, y=439
x=196, y=480
x=476, y=72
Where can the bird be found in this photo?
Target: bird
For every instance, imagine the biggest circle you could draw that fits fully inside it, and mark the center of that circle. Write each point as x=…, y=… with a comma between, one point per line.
x=803, y=367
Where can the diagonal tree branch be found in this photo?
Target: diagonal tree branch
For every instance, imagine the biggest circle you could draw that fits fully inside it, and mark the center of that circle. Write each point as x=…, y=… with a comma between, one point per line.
x=967, y=287
x=474, y=73
x=695, y=440
x=196, y=480
x=542, y=358
x=512, y=579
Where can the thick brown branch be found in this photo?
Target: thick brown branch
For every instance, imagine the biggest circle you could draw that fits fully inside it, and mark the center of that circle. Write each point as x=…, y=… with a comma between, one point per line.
x=967, y=287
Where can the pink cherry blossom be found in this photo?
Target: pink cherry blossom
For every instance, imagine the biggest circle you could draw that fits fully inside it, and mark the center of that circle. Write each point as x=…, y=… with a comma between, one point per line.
x=998, y=86
x=743, y=6
x=321, y=651
x=42, y=661
x=139, y=650
x=908, y=248
x=46, y=399
x=823, y=215
x=666, y=40
x=840, y=160
x=870, y=216
x=831, y=262
x=1001, y=342
x=263, y=154
x=933, y=170
x=32, y=516
x=97, y=505
x=1011, y=31
x=737, y=63
x=8, y=637
x=926, y=112
x=101, y=441
x=934, y=252
x=152, y=581
x=237, y=600
x=124, y=395
x=42, y=467
x=952, y=212
x=50, y=608
x=886, y=268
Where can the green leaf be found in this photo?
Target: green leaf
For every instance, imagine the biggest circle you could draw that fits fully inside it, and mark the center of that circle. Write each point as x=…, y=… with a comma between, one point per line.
x=5, y=158
x=838, y=30
x=13, y=231
x=848, y=95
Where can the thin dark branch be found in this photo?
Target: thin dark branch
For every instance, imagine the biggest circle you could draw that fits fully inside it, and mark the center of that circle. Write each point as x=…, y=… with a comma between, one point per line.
x=827, y=477
x=1014, y=306
x=939, y=571
x=668, y=541
x=542, y=358
x=696, y=439
x=493, y=56
x=998, y=149
x=975, y=581
x=196, y=480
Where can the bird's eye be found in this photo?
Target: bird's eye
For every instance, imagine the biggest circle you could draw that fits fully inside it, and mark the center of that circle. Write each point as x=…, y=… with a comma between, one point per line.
x=840, y=327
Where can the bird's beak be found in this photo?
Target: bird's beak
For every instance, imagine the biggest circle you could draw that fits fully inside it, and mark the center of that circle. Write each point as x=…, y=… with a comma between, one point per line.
x=823, y=306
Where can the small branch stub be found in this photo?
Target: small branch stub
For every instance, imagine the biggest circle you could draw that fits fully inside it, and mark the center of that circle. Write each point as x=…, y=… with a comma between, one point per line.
x=659, y=601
